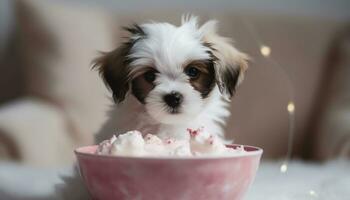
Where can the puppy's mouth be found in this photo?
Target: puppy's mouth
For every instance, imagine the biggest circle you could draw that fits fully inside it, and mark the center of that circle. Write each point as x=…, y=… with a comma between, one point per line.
x=173, y=111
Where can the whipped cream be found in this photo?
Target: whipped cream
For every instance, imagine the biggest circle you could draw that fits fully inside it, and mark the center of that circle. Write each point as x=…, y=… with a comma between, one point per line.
x=133, y=143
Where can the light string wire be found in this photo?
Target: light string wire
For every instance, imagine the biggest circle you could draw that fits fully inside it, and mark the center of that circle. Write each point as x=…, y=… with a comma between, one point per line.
x=265, y=51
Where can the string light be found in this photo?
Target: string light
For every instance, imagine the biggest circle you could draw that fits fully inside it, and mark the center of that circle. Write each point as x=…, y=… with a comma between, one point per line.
x=313, y=193
x=284, y=168
x=291, y=107
x=265, y=50
x=291, y=117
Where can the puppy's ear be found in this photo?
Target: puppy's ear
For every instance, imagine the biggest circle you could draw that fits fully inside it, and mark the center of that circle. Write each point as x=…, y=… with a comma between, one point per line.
x=114, y=71
x=230, y=64
x=114, y=66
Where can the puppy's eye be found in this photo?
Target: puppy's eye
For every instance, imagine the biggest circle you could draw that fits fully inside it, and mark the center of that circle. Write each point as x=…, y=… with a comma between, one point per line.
x=150, y=76
x=192, y=72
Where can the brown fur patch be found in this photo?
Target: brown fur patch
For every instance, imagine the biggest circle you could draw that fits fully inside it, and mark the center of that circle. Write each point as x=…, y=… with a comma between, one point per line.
x=205, y=82
x=230, y=78
x=113, y=66
x=141, y=87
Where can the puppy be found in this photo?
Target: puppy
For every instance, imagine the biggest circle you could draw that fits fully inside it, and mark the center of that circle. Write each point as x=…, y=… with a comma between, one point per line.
x=168, y=78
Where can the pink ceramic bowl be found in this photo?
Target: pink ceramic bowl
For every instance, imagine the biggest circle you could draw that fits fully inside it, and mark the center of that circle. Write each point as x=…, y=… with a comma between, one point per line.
x=130, y=178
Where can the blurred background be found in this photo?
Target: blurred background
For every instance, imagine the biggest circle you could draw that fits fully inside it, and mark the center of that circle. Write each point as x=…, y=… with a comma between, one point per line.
x=52, y=102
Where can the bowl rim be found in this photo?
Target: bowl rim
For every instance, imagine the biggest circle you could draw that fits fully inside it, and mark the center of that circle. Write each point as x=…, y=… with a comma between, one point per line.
x=257, y=152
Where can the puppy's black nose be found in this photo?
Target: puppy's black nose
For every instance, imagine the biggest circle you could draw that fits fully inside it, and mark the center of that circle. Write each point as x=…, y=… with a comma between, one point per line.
x=173, y=99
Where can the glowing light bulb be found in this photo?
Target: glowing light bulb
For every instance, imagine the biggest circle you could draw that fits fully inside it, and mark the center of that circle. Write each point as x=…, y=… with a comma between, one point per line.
x=313, y=193
x=284, y=168
x=265, y=50
x=291, y=107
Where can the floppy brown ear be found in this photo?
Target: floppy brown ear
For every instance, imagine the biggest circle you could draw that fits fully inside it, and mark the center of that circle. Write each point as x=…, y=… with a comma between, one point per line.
x=114, y=66
x=231, y=71
x=230, y=64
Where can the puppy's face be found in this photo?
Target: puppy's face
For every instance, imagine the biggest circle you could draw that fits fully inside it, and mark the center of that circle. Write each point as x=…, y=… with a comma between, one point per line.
x=173, y=70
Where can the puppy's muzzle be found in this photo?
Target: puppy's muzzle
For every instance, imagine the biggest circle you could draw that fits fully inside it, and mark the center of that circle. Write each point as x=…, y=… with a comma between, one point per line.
x=173, y=99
